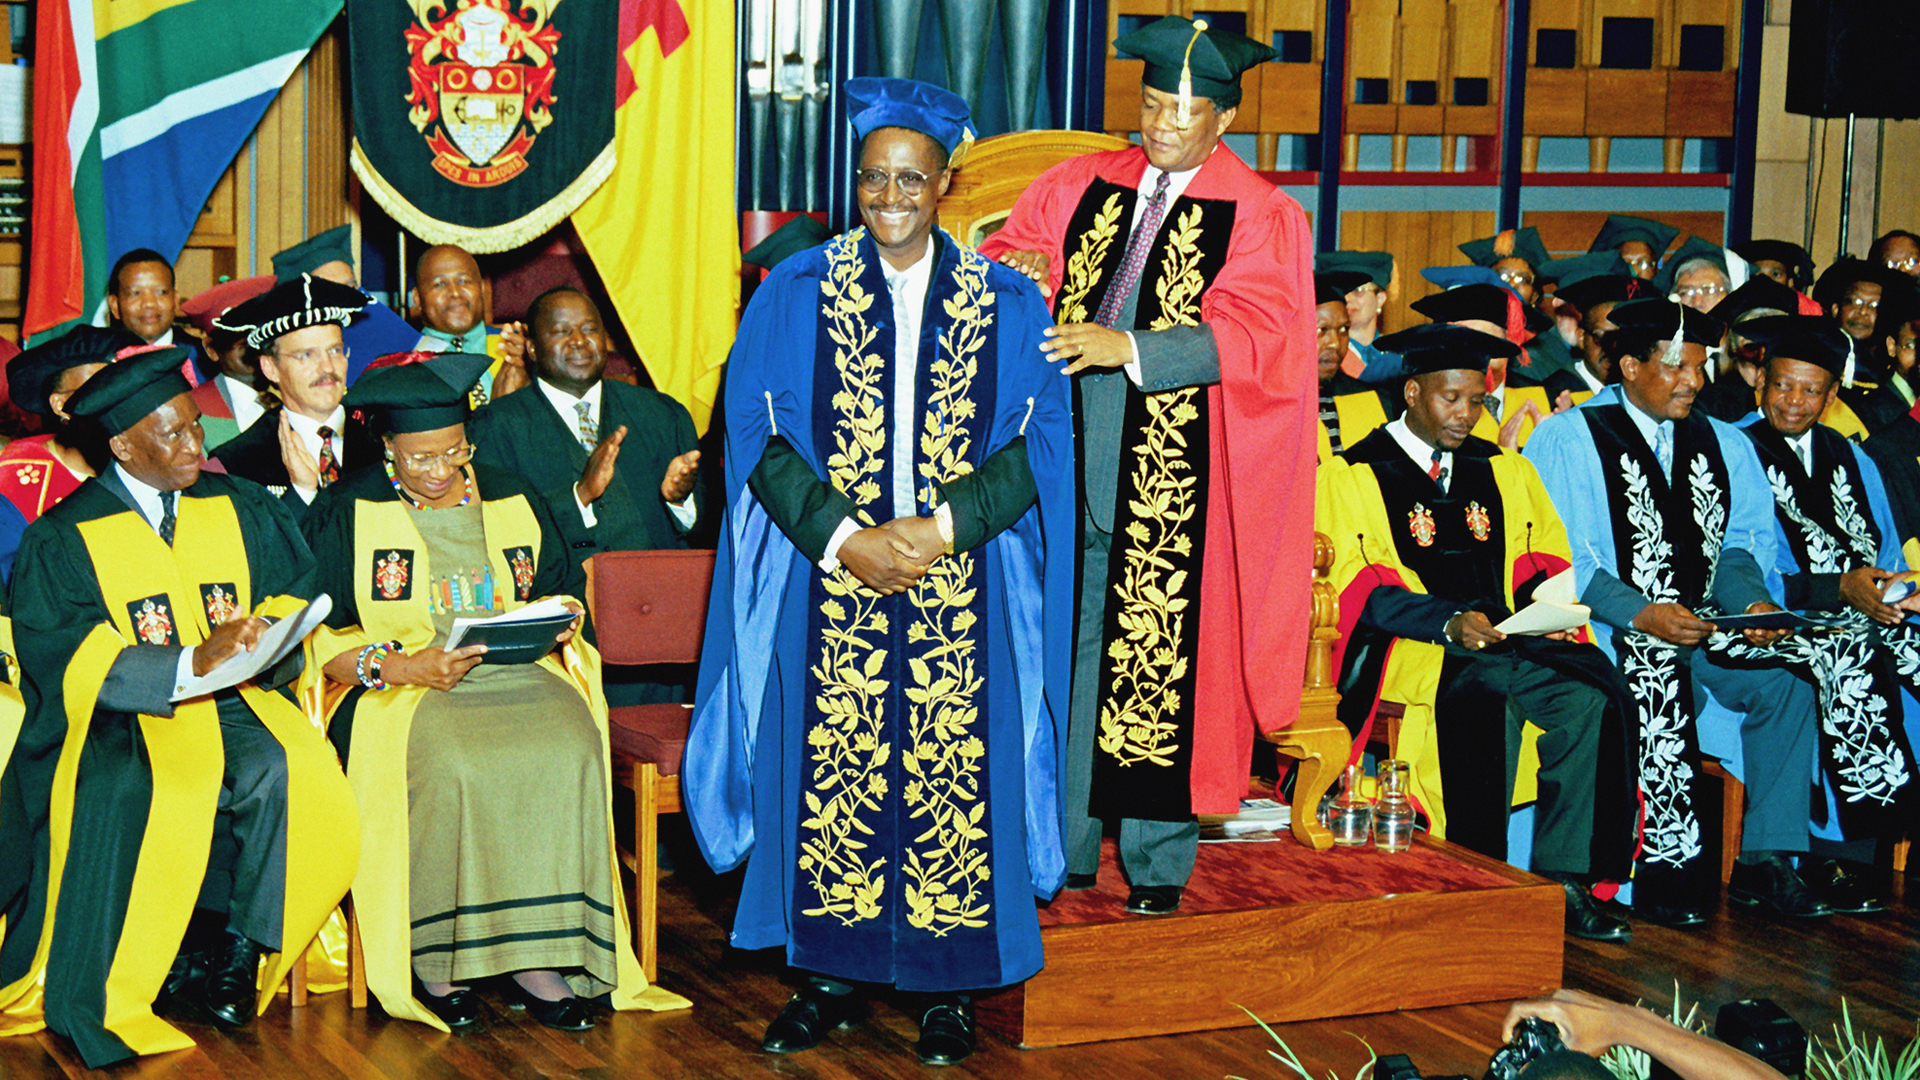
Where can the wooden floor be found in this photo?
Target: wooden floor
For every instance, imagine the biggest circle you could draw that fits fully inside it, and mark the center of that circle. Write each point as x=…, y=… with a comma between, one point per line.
x=1873, y=961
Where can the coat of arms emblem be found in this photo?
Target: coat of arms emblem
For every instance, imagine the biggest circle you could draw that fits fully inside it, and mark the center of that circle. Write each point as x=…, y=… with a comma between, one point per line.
x=152, y=620
x=393, y=575
x=1478, y=521
x=220, y=601
x=521, y=560
x=481, y=84
x=1420, y=524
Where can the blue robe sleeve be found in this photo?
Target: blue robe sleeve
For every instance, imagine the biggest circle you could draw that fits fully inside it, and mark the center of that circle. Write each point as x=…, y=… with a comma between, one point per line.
x=1036, y=558
x=1749, y=571
x=752, y=564
x=1563, y=452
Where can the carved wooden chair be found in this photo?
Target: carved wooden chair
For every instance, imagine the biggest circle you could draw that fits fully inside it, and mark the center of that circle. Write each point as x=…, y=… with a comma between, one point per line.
x=649, y=607
x=998, y=169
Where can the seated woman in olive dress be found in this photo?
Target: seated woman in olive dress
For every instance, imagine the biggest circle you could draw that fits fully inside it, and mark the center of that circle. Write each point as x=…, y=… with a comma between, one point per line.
x=484, y=788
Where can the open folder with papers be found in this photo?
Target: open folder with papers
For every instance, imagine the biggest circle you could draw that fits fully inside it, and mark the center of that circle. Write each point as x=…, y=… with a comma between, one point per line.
x=275, y=643
x=1555, y=608
x=518, y=637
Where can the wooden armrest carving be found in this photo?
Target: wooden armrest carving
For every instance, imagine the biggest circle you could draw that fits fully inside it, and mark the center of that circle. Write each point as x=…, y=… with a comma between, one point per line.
x=1321, y=744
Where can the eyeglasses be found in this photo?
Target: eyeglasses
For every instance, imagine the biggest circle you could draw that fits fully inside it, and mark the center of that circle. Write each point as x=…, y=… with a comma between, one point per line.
x=874, y=181
x=1516, y=278
x=1906, y=266
x=1861, y=302
x=1637, y=263
x=312, y=356
x=453, y=459
x=1698, y=292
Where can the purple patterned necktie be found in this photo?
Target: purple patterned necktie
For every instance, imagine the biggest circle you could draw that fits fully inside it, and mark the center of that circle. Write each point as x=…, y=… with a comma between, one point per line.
x=1142, y=239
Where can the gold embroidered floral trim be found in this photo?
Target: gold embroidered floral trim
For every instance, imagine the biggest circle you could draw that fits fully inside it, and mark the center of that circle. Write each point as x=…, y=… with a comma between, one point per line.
x=946, y=863
x=1083, y=266
x=1181, y=282
x=1136, y=724
x=847, y=746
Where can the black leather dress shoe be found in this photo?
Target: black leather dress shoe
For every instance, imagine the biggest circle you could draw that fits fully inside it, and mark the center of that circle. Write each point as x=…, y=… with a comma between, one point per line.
x=457, y=1008
x=1082, y=881
x=1674, y=918
x=808, y=1016
x=946, y=1033
x=567, y=1014
x=232, y=978
x=1844, y=887
x=185, y=981
x=1585, y=918
x=1776, y=886
x=1153, y=899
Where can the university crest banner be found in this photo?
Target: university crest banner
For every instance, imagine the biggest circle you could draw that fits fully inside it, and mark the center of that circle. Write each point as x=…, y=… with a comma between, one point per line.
x=482, y=123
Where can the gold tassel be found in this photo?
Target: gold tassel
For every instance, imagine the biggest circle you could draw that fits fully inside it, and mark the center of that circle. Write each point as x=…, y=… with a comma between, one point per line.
x=771, y=422
x=1186, y=74
x=1029, y=416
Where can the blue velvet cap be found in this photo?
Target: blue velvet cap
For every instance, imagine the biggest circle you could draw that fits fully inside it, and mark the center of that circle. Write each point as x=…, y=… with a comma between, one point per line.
x=874, y=103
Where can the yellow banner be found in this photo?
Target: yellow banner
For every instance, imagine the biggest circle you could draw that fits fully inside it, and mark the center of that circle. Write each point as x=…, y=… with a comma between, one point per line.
x=661, y=230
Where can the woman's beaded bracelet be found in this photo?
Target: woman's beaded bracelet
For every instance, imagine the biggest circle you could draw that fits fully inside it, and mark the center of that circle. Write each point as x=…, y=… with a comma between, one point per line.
x=367, y=667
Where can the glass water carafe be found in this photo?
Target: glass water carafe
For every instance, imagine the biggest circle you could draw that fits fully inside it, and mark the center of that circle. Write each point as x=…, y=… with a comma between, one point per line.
x=1350, y=815
x=1393, y=807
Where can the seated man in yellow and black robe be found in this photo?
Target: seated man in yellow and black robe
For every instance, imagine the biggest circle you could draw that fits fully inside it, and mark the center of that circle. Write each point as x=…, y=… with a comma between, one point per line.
x=134, y=809
x=1349, y=408
x=1440, y=536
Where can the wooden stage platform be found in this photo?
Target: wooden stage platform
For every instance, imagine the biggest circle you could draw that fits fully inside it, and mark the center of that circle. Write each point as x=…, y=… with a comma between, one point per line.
x=1291, y=934
x=1806, y=967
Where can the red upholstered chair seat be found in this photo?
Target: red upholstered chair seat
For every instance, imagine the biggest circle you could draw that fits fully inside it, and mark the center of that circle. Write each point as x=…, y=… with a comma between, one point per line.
x=653, y=734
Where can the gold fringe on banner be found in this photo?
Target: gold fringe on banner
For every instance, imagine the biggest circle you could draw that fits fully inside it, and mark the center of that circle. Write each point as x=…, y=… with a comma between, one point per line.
x=480, y=241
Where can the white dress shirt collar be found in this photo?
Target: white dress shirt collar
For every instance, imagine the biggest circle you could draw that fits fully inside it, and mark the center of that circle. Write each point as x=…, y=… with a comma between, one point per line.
x=1643, y=423
x=1803, y=449
x=309, y=429
x=567, y=405
x=1419, y=451
x=146, y=498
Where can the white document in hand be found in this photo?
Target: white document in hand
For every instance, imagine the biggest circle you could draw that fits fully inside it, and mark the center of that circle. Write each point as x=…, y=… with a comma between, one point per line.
x=275, y=643
x=539, y=609
x=1555, y=608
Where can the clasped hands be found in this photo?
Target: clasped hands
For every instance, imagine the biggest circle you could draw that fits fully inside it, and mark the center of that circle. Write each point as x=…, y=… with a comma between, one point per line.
x=890, y=558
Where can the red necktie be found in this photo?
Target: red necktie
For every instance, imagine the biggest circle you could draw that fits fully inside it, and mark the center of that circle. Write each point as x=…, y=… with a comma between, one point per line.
x=1434, y=472
x=329, y=468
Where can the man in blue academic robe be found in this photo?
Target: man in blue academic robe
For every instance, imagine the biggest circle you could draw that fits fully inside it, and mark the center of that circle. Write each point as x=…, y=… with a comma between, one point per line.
x=1836, y=551
x=1670, y=525
x=882, y=693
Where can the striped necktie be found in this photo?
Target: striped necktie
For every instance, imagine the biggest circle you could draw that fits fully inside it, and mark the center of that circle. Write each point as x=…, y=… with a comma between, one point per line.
x=589, y=432
x=1137, y=246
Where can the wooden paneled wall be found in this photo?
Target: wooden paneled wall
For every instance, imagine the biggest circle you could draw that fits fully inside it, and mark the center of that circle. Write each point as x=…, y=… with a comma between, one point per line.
x=289, y=182
x=1418, y=239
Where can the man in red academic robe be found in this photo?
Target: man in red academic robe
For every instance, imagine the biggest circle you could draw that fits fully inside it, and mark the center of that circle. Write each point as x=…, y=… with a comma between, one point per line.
x=1182, y=286
x=39, y=471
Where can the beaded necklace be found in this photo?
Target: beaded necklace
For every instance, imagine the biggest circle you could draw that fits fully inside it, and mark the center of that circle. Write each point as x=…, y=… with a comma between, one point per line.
x=465, y=498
